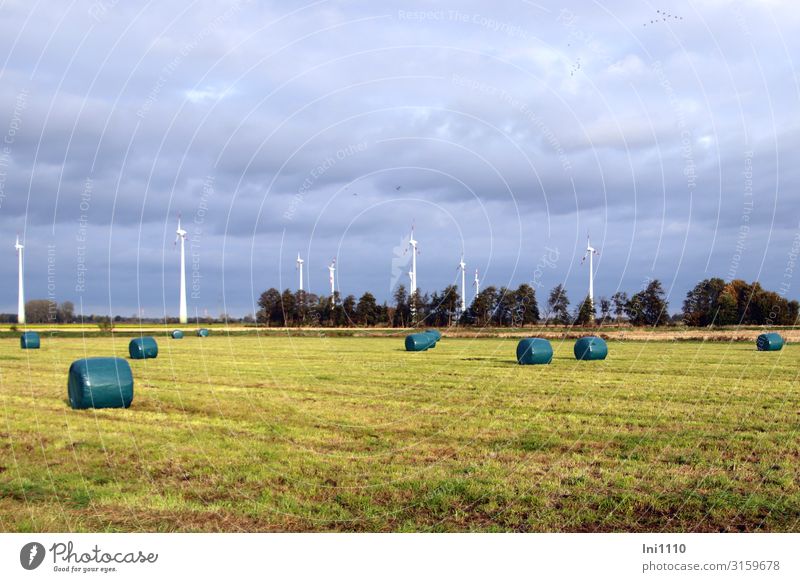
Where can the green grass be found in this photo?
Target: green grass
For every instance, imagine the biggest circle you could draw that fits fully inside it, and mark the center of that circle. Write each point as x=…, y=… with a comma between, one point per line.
x=274, y=433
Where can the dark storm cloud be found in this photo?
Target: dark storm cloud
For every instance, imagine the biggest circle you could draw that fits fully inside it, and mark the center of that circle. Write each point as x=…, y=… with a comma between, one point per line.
x=276, y=129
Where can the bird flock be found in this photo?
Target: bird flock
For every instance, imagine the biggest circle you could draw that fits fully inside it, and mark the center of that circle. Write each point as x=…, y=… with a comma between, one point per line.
x=663, y=16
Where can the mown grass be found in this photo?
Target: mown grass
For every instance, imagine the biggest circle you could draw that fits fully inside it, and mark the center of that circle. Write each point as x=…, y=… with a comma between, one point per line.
x=329, y=434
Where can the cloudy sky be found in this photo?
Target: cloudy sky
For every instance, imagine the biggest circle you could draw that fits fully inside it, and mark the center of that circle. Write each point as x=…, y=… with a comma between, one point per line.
x=506, y=131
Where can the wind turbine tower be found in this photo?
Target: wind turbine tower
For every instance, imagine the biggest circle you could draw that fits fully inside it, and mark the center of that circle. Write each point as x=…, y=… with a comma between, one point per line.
x=180, y=233
x=21, y=301
x=300, y=269
x=413, y=274
x=463, y=266
x=477, y=284
x=590, y=252
x=331, y=271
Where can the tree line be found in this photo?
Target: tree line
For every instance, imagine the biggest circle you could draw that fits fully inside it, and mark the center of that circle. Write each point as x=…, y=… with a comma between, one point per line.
x=711, y=302
x=493, y=306
x=715, y=302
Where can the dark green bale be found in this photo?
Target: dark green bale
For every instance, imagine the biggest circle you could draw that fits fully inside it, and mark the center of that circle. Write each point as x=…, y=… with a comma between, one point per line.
x=769, y=342
x=100, y=383
x=435, y=333
x=142, y=348
x=419, y=342
x=591, y=348
x=29, y=340
x=203, y=332
x=176, y=334
x=534, y=350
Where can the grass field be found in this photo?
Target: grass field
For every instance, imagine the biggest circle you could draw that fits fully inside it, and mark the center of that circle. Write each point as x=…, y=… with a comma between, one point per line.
x=273, y=433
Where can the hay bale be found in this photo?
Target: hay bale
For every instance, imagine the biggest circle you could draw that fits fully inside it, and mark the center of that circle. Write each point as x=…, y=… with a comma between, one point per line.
x=176, y=334
x=769, y=342
x=142, y=348
x=203, y=332
x=419, y=342
x=29, y=341
x=435, y=333
x=534, y=351
x=590, y=348
x=100, y=383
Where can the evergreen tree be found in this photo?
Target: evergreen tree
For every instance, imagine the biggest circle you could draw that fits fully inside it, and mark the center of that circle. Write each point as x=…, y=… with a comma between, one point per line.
x=585, y=314
x=402, y=313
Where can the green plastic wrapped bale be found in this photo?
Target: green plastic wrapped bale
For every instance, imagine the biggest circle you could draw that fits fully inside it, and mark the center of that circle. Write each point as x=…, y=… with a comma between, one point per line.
x=29, y=340
x=435, y=333
x=769, y=342
x=142, y=348
x=176, y=334
x=533, y=351
x=100, y=383
x=419, y=342
x=203, y=332
x=591, y=348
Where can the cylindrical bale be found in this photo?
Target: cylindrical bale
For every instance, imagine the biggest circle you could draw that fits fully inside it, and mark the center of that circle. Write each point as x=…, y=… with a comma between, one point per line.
x=419, y=342
x=435, y=333
x=142, y=348
x=534, y=350
x=591, y=348
x=100, y=383
x=29, y=340
x=203, y=332
x=769, y=342
x=176, y=334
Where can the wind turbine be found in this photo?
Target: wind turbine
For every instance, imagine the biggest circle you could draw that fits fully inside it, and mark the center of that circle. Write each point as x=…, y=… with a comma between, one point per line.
x=463, y=266
x=590, y=252
x=413, y=246
x=21, y=303
x=331, y=270
x=180, y=235
x=477, y=284
x=300, y=268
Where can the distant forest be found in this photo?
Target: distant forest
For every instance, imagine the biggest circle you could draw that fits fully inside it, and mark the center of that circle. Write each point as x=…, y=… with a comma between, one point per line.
x=711, y=302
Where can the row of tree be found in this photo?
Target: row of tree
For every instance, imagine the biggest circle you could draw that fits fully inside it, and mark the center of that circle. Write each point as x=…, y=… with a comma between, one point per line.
x=715, y=302
x=491, y=307
x=43, y=311
x=711, y=302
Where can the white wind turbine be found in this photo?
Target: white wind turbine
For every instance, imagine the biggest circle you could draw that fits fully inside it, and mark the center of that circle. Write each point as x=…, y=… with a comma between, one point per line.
x=21, y=295
x=463, y=266
x=331, y=271
x=300, y=269
x=477, y=284
x=180, y=235
x=590, y=253
x=413, y=274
